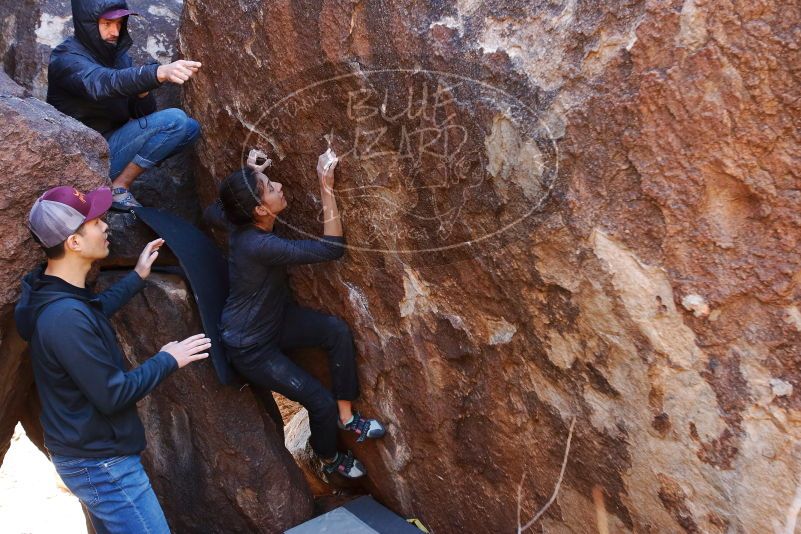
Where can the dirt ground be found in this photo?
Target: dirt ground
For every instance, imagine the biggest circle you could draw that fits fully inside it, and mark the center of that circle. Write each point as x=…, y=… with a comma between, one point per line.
x=32, y=498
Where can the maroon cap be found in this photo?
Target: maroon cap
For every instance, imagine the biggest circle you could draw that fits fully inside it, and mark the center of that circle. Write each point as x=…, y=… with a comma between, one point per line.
x=61, y=210
x=90, y=205
x=113, y=14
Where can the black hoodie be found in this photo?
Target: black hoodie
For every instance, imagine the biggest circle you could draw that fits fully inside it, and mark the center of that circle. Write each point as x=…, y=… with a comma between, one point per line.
x=88, y=399
x=94, y=81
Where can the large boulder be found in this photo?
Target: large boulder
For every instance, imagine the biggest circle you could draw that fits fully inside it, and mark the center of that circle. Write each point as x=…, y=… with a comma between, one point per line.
x=41, y=148
x=215, y=459
x=21, y=55
x=554, y=210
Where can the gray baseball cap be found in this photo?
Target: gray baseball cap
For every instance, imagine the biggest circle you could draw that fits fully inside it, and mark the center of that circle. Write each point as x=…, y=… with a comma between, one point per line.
x=62, y=210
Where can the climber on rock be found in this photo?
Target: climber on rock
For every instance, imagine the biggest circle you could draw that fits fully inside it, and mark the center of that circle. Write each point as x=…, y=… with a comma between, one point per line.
x=91, y=427
x=91, y=77
x=261, y=321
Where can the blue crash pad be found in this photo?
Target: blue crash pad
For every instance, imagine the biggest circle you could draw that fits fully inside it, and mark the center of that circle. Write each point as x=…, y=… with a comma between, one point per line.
x=206, y=271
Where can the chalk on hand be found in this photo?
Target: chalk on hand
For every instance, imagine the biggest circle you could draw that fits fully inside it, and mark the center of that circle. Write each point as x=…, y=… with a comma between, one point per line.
x=331, y=159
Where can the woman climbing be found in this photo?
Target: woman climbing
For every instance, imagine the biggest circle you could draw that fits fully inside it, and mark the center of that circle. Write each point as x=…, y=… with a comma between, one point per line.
x=260, y=320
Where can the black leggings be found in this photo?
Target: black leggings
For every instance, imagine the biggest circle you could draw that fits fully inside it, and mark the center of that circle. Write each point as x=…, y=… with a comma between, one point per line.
x=267, y=366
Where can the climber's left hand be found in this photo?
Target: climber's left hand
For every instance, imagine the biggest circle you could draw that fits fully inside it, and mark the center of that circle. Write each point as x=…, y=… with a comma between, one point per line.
x=254, y=156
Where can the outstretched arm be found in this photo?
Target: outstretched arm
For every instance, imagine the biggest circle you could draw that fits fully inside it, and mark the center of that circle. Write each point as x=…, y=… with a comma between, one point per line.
x=120, y=293
x=332, y=223
x=80, y=350
x=83, y=77
x=275, y=250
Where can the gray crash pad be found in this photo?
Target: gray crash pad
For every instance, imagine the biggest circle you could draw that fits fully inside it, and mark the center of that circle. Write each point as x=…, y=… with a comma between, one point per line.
x=360, y=516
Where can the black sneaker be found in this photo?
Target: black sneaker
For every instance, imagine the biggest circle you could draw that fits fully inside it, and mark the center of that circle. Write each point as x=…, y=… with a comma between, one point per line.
x=346, y=465
x=363, y=428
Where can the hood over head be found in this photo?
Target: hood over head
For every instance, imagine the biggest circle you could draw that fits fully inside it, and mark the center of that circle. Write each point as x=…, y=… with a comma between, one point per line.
x=85, y=14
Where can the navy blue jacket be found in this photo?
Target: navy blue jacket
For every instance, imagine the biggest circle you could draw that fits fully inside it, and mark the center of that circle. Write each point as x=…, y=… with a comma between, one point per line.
x=88, y=399
x=258, y=284
x=94, y=81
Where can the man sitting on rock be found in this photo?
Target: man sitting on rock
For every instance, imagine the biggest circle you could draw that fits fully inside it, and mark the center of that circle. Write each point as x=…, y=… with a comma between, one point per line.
x=91, y=77
x=91, y=428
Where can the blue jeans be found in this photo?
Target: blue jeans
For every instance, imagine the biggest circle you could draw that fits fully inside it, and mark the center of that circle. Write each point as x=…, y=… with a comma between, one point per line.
x=116, y=491
x=151, y=139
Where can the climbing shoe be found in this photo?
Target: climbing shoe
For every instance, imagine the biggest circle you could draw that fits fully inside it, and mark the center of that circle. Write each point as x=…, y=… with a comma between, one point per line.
x=123, y=199
x=346, y=465
x=363, y=428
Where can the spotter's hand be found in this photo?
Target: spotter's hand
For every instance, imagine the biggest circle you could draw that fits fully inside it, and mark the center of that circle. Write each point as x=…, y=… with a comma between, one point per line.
x=147, y=257
x=177, y=72
x=189, y=350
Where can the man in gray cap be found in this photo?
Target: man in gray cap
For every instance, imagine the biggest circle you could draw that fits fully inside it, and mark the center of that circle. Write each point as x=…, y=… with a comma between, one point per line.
x=92, y=430
x=92, y=78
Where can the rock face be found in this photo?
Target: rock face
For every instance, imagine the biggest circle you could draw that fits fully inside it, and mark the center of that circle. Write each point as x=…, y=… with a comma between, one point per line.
x=554, y=210
x=29, y=31
x=297, y=434
x=21, y=55
x=214, y=457
x=41, y=147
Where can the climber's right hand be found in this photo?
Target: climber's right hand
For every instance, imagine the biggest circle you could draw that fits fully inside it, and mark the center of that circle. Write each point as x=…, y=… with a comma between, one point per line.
x=177, y=71
x=326, y=164
x=189, y=350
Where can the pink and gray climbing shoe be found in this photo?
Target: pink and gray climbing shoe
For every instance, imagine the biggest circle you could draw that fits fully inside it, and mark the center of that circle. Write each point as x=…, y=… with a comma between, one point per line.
x=346, y=465
x=363, y=428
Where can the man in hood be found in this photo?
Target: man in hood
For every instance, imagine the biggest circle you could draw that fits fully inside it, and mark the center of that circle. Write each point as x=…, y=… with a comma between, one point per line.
x=92, y=78
x=92, y=430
